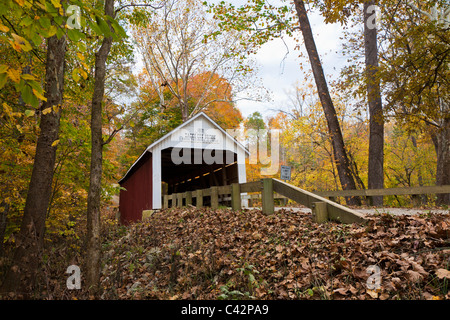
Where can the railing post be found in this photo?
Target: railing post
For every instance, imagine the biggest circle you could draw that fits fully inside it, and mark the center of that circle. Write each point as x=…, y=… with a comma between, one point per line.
x=188, y=198
x=166, y=201
x=320, y=212
x=214, y=198
x=235, y=196
x=179, y=200
x=267, y=196
x=199, y=202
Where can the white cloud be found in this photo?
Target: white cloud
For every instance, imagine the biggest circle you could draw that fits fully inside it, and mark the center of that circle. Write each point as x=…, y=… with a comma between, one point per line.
x=279, y=64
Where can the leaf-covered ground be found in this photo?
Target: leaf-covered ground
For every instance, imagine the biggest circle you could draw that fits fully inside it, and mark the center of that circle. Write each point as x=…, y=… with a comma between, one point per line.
x=220, y=254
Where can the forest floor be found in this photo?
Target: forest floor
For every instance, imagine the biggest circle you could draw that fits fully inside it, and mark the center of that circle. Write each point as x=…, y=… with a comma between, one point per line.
x=190, y=253
x=374, y=211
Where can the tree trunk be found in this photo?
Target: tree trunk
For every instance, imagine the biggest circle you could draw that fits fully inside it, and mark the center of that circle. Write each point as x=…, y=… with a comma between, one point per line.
x=340, y=155
x=442, y=145
x=93, y=249
x=27, y=256
x=184, y=111
x=376, y=122
x=4, y=209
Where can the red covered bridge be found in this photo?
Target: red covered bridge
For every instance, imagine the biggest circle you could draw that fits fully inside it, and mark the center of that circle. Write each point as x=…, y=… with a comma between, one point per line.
x=196, y=154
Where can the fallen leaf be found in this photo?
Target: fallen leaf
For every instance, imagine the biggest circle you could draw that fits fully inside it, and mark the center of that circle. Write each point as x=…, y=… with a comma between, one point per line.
x=384, y=296
x=342, y=291
x=442, y=273
x=372, y=293
x=414, y=276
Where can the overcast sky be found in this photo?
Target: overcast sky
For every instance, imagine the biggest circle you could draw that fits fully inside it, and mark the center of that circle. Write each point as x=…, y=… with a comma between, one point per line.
x=279, y=67
x=280, y=73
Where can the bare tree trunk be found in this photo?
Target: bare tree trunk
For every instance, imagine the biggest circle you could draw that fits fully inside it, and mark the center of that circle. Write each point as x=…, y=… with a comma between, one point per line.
x=340, y=155
x=376, y=122
x=3, y=223
x=184, y=111
x=93, y=252
x=27, y=256
x=442, y=146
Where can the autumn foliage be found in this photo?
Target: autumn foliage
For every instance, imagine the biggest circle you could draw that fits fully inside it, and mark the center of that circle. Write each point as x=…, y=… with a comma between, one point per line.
x=221, y=254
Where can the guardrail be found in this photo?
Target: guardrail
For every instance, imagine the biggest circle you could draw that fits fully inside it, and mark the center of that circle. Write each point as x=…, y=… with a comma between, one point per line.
x=323, y=209
x=415, y=191
x=368, y=193
x=322, y=203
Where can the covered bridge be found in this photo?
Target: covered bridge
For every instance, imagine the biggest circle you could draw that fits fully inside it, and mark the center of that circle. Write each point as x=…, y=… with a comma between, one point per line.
x=197, y=154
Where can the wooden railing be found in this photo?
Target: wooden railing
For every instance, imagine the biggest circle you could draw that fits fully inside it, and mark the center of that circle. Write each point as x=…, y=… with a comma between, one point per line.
x=321, y=203
x=386, y=192
x=368, y=193
x=323, y=209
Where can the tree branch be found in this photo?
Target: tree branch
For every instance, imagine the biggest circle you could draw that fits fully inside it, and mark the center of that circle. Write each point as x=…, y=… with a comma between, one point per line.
x=140, y=5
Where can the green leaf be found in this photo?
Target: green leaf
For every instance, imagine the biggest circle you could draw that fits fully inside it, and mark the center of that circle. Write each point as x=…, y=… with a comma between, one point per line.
x=58, y=20
x=104, y=27
x=36, y=38
x=28, y=96
x=29, y=113
x=3, y=79
x=74, y=35
x=95, y=27
x=118, y=29
x=45, y=22
x=59, y=33
x=35, y=85
x=75, y=75
x=26, y=21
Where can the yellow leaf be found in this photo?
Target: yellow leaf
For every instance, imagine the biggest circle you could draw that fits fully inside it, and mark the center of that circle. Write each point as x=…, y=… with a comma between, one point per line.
x=15, y=46
x=22, y=42
x=83, y=74
x=6, y=108
x=47, y=110
x=20, y=2
x=80, y=56
x=55, y=143
x=27, y=76
x=14, y=75
x=40, y=96
x=56, y=3
x=52, y=30
x=29, y=113
x=3, y=28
